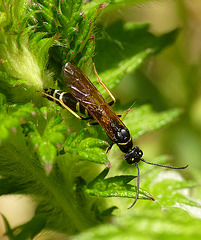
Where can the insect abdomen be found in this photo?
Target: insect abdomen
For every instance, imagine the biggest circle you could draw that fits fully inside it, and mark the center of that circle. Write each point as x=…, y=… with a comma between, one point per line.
x=67, y=99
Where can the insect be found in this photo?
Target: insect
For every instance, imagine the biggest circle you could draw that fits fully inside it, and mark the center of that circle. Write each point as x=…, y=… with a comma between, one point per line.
x=83, y=97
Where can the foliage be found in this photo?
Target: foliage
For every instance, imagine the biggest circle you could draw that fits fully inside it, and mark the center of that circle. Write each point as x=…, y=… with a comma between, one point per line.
x=48, y=155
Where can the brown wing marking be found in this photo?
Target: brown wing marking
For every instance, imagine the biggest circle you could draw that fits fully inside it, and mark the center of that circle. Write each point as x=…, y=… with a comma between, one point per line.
x=87, y=94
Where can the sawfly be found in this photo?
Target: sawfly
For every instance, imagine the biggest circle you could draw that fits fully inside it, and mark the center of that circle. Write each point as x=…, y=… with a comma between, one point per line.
x=83, y=97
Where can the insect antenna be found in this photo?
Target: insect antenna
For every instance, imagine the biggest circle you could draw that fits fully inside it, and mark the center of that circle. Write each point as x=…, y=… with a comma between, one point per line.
x=127, y=111
x=138, y=176
x=138, y=186
x=165, y=166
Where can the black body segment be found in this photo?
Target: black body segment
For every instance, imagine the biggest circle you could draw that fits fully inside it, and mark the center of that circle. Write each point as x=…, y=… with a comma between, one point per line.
x=67, y=99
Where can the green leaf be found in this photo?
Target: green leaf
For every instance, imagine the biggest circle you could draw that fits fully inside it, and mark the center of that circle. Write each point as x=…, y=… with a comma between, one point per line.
x=47, y=152
x=71, y=29
x=114, y=187
x=19, y=10
x=90, y=149
x=10, y=186
x=11, y=120
x=46, y=144
x=152, y=224
x=9, y=232
x=142, y=120
x=124, y=47
x=29, y=230
x=110, y=3
x=43, y=47
x=113, y=76
x=167, y=193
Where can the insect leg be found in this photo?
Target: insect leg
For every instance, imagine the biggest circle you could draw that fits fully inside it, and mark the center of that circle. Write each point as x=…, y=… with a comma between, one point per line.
x=84, y=118
x=64, y=105
x=109, y=148
x=103, y=84
x=111, y=103
x=92, y=124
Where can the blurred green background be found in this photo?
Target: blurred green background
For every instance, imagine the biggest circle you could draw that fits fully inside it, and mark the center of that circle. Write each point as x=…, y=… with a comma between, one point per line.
x=170, y=79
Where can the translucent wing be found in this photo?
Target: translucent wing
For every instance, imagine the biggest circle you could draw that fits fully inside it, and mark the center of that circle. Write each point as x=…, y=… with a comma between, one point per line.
x=87, y=94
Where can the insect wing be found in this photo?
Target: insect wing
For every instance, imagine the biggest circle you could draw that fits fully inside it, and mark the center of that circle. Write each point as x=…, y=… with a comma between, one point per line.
x=86, y=93
x=77, y=82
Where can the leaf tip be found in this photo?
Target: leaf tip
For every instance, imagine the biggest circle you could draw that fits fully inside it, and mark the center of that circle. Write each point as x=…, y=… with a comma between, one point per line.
x=108, y=164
